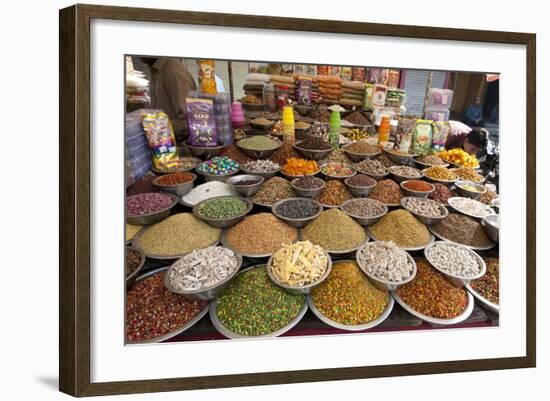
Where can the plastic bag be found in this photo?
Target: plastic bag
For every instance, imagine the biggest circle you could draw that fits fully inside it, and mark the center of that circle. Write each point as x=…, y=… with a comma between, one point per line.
x=161, y=139
x=201, y=122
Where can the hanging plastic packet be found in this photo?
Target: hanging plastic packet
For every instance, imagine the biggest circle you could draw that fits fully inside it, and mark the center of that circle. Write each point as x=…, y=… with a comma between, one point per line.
x=422, y=138
x=441, y=130
x=201, y=122
x=207, y=76
x=404, y=135
x=303, y=91
x=367, y=98
x=161, y=140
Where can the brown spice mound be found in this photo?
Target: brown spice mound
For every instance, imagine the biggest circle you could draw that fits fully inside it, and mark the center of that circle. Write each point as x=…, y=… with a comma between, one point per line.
x=285, y=152
x=233, y=152
x=387, y=191
x=462, y=229
x=401, y=227
x=334, y=193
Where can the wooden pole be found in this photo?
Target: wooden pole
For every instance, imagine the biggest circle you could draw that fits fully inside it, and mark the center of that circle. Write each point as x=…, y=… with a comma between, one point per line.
x=230, y=72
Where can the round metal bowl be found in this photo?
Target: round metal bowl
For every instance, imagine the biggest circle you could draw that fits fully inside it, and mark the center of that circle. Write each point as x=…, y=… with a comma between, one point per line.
x=260, y=154
x=451, y=201
x=422, y=166
x=190, y=323
x=338, y=177
x=399, y=158
x=491, y=226
x=296, y=223
x=434, y=320
x=457, y=281
x=358, y=157
x=204, y=152
x=427, y=220
x=436, y=180
x=266, y=175
x=291, y=177
x=411, y=192
x=205, y=294
x=308, y=193
x=306, y=289
x=351, y=327
x=495, y=308
x=263, y=127
x=357, y=191
x=178, y=189
x=226, y=244
x=152, y=218
x=377, y=177
x=416, y=248
x=468, y=193
x=231, y=334
x=365, y=221
x=225, y=222
x=477, y=248
x=131, y=278
x=400, y=178
x=340, y=252
x=312, y=154
x=246, y=190
x=214, y=177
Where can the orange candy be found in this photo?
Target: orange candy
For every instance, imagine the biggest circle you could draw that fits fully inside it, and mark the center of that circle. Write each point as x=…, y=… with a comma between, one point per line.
x=295, y=166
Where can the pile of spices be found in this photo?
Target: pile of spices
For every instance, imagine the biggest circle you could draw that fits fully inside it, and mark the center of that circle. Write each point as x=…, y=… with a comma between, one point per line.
x=430, y=294
x=471, y=207
x=337, y=156
x=453, y=259
x=261, y=166
x=337, y=170
x=334, y=193
x=463, y=230
x=460, y=157
x=371, y=167
x=147, y=203
x=487, y=197
x=361, y=180
x=222, y=208
x=401, y=227
x=273, y=190
x=133, y=259
x=432, y=160
x=262, y=121
x=153, y=310
x=468, y=174
x=208, y=190
x=404, y=171
x=260, y=234
x=178, y=234
x=385, y=160
x=219, y=165
x=295, y=166
x=313, y=143
x=334, y=231
x=285, y=152
x=420, y=186
x=258, y=142
x=387, y=191
x=384, y=260
x=233, y=152
x=244, y=183
x=175, y=178
x=299, y=208
x=441, y=193
x=299, y=264
x=364, y=207
x=308, y=182
x=320, y=113
x=487, y=285
x=143, y=185
x=348, y=297
x=252, y=305
x=423, y=207
x=362, y=148
x=440, y=173
x=318, y=128
x=357, y=118
x=202, y=269
x=131, y=230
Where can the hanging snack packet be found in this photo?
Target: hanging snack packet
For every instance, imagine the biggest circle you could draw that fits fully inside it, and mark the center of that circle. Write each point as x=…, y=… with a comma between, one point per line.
x=303, y=91
x=367, y=98
x=379, y=96
x=404, y=135
x=161, y=139
x=441, y=130
x=201, y=122
x=422, y=137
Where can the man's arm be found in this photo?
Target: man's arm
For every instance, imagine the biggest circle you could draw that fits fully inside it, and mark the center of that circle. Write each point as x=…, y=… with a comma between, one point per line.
x=178, y=86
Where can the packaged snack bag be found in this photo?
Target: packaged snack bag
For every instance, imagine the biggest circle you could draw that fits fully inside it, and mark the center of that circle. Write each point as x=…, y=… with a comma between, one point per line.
x=379, y=96
x=207, y=78
x=441, y=130
x=404, y=135
x=422, y=137
x=367, y=99
x=346, y=73
x=201, y=122
x=303, y=91
x=161, y=139
x=358, y=74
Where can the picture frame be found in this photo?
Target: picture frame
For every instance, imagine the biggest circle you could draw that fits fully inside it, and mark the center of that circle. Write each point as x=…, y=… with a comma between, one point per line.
x=75, y=205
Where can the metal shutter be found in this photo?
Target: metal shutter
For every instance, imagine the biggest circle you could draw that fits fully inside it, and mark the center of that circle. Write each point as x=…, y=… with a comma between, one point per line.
x=438, y=79
x=416, y=82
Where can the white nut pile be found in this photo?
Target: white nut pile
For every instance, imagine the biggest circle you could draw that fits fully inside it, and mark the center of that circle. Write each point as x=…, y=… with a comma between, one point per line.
x=424, y=207
x=386, y=261
x=202, y=268
x=471, y=207
x=405, y=171
x=453, y=259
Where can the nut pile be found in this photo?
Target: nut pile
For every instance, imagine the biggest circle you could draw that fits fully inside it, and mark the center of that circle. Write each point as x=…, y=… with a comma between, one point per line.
x=453, y=259
x=384, y=260
x=146, y=203
x=261, y=166
x=371, y=167
x=431, y=159
x=387, y=191
x=440, y=173
x=334, y=194
x=299, y=264
x=404, y=171
x=308, y=182
x=273, y=190
x=441, y=193
x=468, y=174
x=471, y=207
x=364, y=207
x=423, y=207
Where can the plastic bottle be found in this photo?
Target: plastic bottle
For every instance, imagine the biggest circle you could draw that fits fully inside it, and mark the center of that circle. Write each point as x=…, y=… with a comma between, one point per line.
x=334, y=129
x=237, y=115
x=384, y=131
x=288, y=123
x=269, y=95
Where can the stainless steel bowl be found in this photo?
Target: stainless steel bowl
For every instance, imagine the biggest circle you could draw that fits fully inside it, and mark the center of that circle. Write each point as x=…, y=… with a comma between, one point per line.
x=411, y=192
x=399, y=158
x=246, y=190
x=357, y=157
x=259, y=154
x=131, y=278
x=365, y=221
x=204, y=152
x=357, y=191
x=205, y=294
x=152, y=218
x=400, y=178
x=468, y=193
x=296, y=223
x=264, y=175
x=306, y=289
x=307, y=193
x=226, y=222
x=178, y=189
x=312, y=154
x=457, y=281
x=491, y=225
x=337, y=177
x=214, y=177
x=427, y=220
x=379, y=282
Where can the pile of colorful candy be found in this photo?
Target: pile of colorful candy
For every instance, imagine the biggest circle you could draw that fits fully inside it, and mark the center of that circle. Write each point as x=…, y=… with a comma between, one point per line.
x=219, y=166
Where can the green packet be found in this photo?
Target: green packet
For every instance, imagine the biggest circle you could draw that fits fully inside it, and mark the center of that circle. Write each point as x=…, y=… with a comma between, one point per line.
x=422, y=137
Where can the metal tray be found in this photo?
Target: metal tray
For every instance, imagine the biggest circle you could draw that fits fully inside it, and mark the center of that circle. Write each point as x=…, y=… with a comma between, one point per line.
x=477, y=248
x=433, y=320
x=230, y=334
x=191, y=322
x=484, y=301
x=418, y=248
